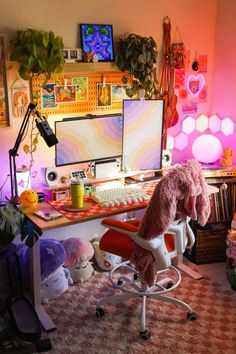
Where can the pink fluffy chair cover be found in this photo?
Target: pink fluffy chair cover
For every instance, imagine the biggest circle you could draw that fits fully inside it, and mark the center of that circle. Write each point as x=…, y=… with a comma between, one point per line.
x=183, y=191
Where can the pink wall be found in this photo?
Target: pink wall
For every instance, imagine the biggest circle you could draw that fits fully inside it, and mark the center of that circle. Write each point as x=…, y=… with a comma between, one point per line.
x=196, y=20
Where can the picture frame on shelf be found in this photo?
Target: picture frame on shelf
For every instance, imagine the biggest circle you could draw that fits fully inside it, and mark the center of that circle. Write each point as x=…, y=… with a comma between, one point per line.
x=4, y=105
x=72, y=55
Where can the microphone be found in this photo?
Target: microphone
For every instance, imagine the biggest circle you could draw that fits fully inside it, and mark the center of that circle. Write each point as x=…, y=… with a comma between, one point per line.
x=45, y=130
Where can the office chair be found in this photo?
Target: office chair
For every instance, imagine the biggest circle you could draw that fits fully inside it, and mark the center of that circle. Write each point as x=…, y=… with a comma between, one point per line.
x=148, y=245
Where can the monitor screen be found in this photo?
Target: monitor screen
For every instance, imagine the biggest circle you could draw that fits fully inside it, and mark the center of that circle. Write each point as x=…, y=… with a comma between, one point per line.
x=142, y=134
x=88, y=139
x=97, y=39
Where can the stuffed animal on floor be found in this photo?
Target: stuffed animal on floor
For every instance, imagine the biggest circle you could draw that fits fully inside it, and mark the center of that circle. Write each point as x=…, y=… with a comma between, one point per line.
x=55, y=279
x=79, y=252
x=105, y=260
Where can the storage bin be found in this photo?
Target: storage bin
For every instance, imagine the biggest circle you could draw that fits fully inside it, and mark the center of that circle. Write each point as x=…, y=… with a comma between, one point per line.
x=210, y=244
x=231, y=259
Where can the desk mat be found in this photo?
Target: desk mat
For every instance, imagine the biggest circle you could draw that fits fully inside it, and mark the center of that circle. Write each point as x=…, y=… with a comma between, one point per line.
x=95, y=209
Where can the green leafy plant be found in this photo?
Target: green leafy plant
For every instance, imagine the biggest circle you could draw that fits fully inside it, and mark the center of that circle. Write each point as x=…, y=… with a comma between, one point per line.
x=137, y=56
x=37, y=52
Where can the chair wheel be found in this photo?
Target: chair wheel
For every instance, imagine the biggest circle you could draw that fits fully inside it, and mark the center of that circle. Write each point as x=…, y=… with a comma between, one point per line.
x=169, y=285
x=99, y=312
x=191, y=316
x=119, y=282
x=145, y=334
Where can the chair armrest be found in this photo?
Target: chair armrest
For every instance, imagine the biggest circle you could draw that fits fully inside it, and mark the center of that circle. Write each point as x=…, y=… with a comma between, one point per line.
x=122, y=225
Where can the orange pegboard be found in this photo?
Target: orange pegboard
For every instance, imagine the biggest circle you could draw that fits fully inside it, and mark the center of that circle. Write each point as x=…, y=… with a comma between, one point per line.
x=89, y=105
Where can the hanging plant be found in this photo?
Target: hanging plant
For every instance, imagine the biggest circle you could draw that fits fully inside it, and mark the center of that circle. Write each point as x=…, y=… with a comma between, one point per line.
x=37, y=52
x=137, y=56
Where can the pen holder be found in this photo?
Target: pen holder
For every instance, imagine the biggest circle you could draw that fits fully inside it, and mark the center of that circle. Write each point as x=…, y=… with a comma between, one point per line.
x=77, y=194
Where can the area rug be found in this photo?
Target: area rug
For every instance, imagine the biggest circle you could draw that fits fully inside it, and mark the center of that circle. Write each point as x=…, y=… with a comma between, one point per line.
x=79, y=331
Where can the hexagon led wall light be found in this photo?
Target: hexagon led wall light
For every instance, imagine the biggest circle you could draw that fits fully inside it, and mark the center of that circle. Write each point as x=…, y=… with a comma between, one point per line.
x=214, y=123
x=181, y=141
x=207, y=148
x=170, y=142
x=202, y=123
x=227, y=126
x=188, y=125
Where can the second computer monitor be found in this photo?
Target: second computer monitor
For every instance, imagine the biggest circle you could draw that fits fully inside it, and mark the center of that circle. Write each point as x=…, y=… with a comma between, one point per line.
x=142, y=134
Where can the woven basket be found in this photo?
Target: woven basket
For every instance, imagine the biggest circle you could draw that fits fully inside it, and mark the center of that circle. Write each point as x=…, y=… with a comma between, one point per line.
x=209, y=247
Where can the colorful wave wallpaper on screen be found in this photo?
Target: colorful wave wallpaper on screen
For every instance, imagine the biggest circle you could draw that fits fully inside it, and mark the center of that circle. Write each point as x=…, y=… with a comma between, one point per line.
x=83, y=140
x=142, y=140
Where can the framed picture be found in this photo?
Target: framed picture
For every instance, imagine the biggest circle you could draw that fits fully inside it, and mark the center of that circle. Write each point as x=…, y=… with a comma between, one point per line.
x=72, y=55
x=4, y=107
x=97, y=39
x=104, y=95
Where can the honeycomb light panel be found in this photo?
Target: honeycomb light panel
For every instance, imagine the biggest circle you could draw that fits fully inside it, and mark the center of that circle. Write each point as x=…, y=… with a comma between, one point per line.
x=188, y=125
x=214, y=123
x=202, y=123
x=227, y=126
x=170, y=142
x=181, y=141
x=207, y=148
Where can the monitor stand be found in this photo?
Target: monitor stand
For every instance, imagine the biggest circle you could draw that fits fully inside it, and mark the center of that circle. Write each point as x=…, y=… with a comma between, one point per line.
x=144, y=176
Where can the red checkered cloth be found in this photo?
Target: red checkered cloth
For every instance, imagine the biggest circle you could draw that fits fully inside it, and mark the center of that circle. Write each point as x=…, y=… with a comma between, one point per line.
x=95, y=209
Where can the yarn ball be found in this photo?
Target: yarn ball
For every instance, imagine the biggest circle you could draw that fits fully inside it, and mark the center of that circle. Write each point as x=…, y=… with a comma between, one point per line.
x=77, y=251
x=29, y=198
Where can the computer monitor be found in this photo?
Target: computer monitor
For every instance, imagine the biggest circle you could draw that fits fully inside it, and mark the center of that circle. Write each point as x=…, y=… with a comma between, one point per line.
x=88, y=139
x=143, y=122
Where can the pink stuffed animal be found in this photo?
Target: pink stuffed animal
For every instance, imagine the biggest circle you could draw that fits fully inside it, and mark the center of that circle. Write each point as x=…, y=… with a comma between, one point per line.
x=79, y=252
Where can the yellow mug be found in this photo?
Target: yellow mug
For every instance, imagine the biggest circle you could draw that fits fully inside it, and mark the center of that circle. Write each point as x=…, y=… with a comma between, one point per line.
x=77, y=194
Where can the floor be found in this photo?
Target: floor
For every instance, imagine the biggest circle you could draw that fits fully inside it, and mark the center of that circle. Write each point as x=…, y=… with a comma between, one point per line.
x=216, y=272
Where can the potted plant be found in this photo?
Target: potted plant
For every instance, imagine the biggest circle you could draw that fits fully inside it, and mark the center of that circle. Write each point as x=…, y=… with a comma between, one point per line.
x=37, y=52
x=137, y=56
x=13, y=223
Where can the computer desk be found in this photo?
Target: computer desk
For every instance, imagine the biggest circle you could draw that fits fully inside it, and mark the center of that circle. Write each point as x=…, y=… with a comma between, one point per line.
x=98, y=213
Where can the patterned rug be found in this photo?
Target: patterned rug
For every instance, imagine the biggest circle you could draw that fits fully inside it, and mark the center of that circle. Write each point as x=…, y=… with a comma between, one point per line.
x=79, y=331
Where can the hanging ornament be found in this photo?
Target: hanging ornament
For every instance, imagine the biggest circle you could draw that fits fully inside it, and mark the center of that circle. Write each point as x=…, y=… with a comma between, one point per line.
x=20, y=97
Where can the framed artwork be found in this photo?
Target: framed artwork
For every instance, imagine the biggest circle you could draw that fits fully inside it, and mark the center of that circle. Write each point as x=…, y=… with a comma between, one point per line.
x=104, y=95
x=4, y=107
x=97, y=39
x=72, y=55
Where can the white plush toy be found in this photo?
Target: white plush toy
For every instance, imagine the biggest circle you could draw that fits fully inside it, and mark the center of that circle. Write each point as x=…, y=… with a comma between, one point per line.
x=105, y=260
x=55, y=284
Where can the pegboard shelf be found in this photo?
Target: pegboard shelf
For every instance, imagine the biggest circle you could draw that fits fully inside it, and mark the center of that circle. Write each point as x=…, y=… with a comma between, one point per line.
x=91, y=67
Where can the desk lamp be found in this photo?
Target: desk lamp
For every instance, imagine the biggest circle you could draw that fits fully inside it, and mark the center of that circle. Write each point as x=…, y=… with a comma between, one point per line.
x=45, y=131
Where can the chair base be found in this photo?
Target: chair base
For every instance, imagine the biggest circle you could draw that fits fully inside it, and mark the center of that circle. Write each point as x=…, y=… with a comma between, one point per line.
x=125, y=278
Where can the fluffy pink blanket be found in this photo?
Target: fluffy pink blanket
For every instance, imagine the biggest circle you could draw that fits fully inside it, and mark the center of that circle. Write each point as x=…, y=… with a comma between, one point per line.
x=183, y=191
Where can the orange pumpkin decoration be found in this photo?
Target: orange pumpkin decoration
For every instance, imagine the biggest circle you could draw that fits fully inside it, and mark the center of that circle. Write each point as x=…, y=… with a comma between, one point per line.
x=29, y=198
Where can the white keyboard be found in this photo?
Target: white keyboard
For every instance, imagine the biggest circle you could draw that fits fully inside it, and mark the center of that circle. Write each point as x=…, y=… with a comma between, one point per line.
x=117, y=196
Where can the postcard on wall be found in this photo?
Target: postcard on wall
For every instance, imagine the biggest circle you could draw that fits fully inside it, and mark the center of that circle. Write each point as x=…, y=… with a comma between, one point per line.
x=119, y=93
x=190, y=107
x=104, y=95
x=65, y=93
x=81, y=84
x=179, y=77
x=202, y=59
x=48, y=96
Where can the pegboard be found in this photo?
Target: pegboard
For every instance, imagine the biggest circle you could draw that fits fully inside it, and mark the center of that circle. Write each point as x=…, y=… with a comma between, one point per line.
x=89, y=105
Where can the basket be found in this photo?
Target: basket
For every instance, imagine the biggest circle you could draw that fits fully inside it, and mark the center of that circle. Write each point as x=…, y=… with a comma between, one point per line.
x=210, y=246
x=231, y=261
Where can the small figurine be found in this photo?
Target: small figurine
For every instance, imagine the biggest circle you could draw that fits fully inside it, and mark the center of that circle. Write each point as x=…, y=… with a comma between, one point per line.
x=87, y=56
x=95, y=58
x=226, y=158
x=29, y=198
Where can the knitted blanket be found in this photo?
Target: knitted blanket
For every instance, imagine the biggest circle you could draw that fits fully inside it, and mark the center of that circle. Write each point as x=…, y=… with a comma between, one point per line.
x=183, y=191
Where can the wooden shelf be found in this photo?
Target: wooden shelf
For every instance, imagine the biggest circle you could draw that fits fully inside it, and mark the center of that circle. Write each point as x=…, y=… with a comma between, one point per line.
x=91, y=67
